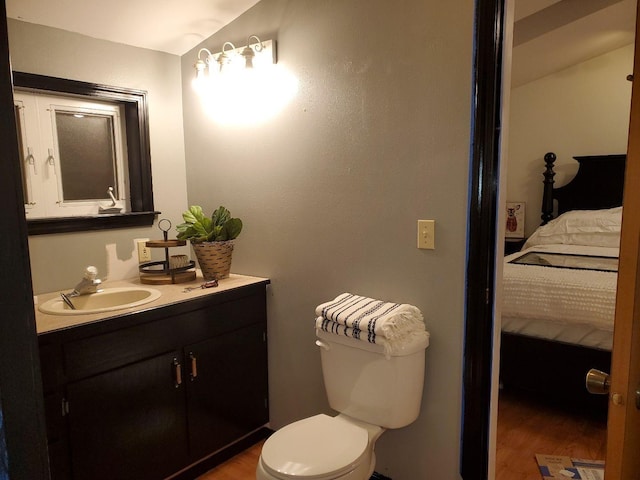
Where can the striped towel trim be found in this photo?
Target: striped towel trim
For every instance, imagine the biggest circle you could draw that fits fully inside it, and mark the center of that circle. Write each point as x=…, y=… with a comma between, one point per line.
x=370, y=320
x=337, y=329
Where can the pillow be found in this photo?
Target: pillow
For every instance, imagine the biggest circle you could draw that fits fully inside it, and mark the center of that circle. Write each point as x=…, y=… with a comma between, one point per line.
x=581, y=227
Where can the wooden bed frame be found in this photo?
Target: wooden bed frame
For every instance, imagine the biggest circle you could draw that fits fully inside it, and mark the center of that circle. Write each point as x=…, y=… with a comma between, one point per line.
x=555, y=371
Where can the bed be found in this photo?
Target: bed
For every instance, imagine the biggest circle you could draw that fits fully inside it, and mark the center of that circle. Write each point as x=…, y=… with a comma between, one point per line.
x=559, y=290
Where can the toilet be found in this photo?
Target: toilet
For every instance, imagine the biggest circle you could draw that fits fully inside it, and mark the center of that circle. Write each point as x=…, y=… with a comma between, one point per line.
x=372, y=390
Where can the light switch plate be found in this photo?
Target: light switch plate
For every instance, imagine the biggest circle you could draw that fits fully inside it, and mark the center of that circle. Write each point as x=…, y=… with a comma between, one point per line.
x=427, y=234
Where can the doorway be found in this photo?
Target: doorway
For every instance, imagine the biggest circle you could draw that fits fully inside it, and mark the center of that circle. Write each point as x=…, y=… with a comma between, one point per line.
x=558, y=101
x=483, y=265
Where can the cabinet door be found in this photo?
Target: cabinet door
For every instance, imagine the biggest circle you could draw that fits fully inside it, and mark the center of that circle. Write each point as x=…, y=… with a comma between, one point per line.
x=128, y=423
x=227, y=398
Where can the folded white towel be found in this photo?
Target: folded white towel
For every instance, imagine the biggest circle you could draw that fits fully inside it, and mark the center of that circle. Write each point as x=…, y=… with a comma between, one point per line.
x=390, y=324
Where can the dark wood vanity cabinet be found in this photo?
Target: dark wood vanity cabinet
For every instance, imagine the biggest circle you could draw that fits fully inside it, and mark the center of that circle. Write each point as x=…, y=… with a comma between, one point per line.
x=147, y=395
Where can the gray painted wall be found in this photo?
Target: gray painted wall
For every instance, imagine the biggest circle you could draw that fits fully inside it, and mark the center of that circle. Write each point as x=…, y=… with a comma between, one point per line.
x=58, y=261
x=330, y=191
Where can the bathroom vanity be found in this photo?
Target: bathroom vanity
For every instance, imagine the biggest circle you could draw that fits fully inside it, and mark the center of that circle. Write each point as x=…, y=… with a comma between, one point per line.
x=168, y=389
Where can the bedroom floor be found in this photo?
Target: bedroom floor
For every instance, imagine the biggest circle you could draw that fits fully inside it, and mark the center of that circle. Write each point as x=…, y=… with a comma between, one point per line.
x=526, y=428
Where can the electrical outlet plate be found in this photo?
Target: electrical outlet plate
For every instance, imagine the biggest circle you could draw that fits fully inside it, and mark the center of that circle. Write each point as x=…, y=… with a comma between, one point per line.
x=427, y=234
x=144, y=252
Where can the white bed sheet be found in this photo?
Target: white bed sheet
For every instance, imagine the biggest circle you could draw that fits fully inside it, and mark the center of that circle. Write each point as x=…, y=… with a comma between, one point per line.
x=565, y=305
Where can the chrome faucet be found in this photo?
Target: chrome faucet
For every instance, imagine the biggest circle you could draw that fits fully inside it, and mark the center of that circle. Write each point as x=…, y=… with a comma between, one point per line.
x=88, y=284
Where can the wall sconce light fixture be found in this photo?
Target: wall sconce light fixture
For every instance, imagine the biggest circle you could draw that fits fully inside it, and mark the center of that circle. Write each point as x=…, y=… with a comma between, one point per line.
x=260, y=52
x=241, y=86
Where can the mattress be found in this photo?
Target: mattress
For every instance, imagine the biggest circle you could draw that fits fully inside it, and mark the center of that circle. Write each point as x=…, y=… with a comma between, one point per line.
x=574, y=306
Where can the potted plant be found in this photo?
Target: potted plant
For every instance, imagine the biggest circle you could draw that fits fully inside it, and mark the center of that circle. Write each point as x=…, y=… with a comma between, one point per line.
x=212, y=239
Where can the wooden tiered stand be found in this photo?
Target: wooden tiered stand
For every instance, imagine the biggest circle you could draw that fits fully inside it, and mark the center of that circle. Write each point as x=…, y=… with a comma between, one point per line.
x=161, y=272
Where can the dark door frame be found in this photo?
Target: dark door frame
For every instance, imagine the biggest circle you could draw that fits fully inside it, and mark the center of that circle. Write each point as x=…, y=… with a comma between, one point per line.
x=21, y=405
x=22, y=430
x=481, y=239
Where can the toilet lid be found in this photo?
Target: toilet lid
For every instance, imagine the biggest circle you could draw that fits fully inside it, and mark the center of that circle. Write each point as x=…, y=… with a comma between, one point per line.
x=315, y=447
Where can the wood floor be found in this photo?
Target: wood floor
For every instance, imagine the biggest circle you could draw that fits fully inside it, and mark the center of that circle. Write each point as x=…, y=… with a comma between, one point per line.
x=240, y=467
x=524, y=429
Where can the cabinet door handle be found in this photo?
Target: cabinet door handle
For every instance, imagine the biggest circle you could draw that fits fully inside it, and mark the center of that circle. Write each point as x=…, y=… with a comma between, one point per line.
x=178, y=372
x=65, y=407
x=194, y=366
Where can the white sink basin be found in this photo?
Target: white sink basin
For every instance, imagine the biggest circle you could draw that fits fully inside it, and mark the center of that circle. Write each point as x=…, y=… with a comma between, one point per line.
x=105, y=301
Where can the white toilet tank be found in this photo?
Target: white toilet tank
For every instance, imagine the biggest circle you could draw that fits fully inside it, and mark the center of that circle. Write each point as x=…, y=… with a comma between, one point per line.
x=363, y=384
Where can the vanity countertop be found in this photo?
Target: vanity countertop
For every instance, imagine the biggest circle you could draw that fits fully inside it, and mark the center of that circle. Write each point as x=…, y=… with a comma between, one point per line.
x=170, y=294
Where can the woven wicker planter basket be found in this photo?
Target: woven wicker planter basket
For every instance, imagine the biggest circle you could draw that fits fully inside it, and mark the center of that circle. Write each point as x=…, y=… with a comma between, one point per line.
x=214, y=258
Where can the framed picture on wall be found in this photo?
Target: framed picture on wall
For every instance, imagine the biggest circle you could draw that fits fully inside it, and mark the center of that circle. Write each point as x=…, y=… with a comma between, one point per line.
x=515, y=220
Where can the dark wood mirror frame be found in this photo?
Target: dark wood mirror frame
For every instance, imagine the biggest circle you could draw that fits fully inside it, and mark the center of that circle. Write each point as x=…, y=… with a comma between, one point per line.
x=138, y=152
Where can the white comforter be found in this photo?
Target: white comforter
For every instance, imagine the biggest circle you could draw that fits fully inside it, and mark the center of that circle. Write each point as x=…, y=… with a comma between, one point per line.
x=559, y=299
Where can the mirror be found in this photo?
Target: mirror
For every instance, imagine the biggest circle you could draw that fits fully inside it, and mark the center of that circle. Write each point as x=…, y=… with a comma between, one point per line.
x=135, y=133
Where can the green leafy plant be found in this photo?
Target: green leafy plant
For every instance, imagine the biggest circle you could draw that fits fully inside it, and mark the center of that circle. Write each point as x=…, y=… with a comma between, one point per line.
x=198, y=227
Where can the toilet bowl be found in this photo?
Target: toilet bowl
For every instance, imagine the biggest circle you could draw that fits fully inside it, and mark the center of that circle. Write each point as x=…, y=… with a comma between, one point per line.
x=320, y=448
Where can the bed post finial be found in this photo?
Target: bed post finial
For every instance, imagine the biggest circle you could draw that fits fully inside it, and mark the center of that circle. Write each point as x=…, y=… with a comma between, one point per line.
x=547, y=195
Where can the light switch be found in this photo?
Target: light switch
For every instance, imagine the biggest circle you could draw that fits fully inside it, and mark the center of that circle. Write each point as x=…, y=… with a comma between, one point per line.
x=427, y=234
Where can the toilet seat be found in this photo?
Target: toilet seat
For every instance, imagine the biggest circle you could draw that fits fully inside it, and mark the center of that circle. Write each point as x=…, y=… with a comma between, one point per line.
x=316, y=448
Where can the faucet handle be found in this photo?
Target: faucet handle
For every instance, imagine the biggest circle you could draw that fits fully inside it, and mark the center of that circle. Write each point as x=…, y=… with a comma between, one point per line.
x=91, y=272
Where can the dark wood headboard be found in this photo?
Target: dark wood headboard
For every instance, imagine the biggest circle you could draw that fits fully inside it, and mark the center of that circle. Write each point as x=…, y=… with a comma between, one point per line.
x=598, y=184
